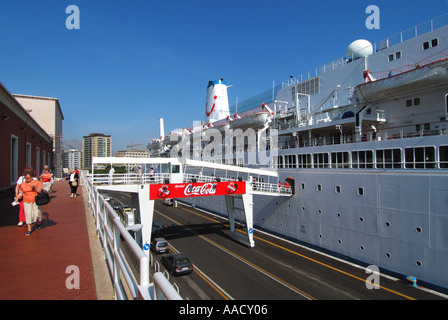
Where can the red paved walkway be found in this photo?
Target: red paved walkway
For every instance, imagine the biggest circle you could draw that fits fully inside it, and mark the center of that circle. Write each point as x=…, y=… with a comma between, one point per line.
x=34, y=267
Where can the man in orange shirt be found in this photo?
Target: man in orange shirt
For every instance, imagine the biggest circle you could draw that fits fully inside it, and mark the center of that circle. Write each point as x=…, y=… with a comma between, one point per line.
x=28, y=191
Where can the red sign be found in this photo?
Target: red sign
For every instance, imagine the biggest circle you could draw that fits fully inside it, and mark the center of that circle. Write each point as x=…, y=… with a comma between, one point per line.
x=198, y=189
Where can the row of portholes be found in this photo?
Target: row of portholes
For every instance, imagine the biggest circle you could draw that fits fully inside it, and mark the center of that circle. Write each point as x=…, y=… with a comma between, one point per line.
x=361, y=219
x=337, y=189
x=388, y=255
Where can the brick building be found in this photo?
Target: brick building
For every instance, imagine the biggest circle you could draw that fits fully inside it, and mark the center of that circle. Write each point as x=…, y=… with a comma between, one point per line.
x=23, y=142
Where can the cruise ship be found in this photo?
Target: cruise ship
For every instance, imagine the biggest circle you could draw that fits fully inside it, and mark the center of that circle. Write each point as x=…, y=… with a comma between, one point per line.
x=363, y=142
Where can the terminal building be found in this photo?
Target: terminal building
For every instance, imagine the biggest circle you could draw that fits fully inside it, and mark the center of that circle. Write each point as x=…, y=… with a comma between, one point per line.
x=24, y=140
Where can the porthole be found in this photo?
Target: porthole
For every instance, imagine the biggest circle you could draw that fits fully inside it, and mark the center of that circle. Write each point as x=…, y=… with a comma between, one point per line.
x=387, y=224
x=319, y=211
x=339, y=241
x=320, y=236
x=337, y=189
x=360, y=191
x=388, y=255
x=418, y=263
x=303, y=208
x=319, y=187
x=361, y=219
x=418, y=229
x=339, y=215
x=362, y=248
x=302, y=186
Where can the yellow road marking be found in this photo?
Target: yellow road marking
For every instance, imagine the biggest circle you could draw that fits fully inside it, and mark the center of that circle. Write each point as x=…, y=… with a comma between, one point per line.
x=310, y=259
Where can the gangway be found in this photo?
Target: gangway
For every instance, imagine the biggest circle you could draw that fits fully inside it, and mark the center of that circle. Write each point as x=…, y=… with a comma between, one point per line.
x=171, y=178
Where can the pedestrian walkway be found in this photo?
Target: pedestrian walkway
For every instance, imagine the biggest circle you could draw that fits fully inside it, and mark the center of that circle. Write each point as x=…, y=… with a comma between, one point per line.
x=44, y=264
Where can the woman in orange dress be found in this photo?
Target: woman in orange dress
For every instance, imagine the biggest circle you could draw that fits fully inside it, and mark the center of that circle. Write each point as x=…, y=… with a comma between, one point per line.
x=28, y=192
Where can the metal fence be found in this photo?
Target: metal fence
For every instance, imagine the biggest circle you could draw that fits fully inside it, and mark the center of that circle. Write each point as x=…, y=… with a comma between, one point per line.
x=112, y=233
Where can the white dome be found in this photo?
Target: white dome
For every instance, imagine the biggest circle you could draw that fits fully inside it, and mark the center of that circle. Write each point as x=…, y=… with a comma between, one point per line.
x=359, y=49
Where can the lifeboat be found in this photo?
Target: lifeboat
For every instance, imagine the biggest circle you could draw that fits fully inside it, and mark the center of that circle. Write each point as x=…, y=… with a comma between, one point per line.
x=154, y=144
x=254, y=118
x=435, y=73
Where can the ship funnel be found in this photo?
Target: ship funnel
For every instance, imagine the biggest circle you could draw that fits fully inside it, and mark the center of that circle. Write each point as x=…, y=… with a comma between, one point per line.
x=162, y=129
x=217, y=105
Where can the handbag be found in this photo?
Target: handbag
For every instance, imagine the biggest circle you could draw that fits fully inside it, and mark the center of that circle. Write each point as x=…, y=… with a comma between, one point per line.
x=74, y=183
x=42, y=198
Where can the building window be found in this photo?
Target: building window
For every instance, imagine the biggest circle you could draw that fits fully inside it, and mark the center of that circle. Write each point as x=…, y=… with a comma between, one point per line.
x=28, y=154
x=14, y=154
x=38, y=161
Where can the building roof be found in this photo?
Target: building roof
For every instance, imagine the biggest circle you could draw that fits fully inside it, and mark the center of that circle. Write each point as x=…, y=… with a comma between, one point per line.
x=56, y=100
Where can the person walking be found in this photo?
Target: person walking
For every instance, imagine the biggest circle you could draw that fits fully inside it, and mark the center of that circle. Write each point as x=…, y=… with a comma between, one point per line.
x=28, y=192
x=19, y=182
x=45, y=179
x=73, y=182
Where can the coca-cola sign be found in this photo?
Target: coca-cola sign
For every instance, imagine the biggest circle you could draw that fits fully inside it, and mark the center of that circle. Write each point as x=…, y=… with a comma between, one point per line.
x=197, y=189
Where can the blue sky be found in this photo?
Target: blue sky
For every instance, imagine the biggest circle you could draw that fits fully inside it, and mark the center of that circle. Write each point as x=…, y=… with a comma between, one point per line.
x=132, y=62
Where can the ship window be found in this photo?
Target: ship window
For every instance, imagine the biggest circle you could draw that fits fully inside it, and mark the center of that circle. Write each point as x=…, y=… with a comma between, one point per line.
x=426, y=45
x=420, y=158
x=319, y=187
x=391, y=57
x=360, y=191
x=321, y=160
x=443, y=155
x=340, y=160
x=434, y=42
x=362, y=159
x=388, y=158
x=398, y=55
x=304, y=161
x=338, y=189
x=416, y=101
x=409, y=103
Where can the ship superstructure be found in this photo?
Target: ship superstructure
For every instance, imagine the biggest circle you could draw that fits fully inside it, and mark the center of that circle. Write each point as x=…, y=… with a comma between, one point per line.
x=364, y=142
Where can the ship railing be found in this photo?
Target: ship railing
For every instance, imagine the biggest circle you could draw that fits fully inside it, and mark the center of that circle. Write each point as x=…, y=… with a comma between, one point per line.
x=420, y=64
x=390, y=133
x=263, y=187
x=116, y=240
x=408, y=34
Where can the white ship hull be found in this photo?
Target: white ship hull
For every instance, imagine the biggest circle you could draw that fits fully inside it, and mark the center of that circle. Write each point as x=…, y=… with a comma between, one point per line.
x=369, y=160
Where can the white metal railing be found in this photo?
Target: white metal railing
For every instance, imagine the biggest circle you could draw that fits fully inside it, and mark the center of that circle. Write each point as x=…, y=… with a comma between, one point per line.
x=110, y=231
x=129, y=178
x=377, y=46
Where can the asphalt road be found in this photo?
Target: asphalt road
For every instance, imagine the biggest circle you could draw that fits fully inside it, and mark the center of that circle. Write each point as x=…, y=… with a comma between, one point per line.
x=273, y=269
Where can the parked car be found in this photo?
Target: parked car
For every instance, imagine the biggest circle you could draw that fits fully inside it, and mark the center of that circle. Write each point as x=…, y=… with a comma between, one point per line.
x=177, y=264
x=159, y=245
x=158, y=228
x=168, y=202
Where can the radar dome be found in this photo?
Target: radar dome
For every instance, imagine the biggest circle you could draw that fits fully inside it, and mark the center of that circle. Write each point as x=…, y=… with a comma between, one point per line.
x=359, y=49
